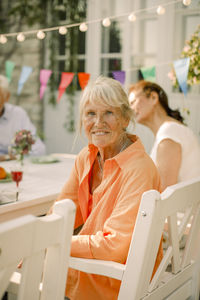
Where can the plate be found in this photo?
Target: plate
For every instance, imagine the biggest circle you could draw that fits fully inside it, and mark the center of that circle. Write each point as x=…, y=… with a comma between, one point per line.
x=7, y=196
x=7, y=179
x=44, y=160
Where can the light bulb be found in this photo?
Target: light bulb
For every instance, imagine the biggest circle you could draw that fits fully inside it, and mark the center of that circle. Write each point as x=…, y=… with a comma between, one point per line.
x=106, y=22
x=187, y=2
x=62, y=30
x=132, y=17
x=83, y=27
x=3, y=39
x=40, y=35
x=160, y=10
x=20, y=37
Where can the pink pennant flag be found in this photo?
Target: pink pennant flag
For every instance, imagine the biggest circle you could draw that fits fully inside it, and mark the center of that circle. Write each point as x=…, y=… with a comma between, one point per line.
x=44, y=77
x=66, y=79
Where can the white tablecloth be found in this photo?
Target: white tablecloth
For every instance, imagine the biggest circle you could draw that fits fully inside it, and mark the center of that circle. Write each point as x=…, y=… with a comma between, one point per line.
x=39, y=188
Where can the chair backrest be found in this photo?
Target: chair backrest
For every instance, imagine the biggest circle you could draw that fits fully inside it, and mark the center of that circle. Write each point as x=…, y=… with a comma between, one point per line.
x=175, y=276
x=180, y=206
x=43, y=246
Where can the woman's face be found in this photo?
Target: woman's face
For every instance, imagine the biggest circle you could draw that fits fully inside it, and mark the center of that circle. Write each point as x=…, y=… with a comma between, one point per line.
x=141, y=105
x=104, y=125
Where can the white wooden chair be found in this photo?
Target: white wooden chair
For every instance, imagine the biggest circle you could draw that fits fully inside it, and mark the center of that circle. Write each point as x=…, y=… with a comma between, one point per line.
x=43, y=245
x=177, y=276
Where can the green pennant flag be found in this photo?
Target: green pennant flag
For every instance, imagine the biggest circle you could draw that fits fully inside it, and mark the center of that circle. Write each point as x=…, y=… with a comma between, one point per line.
x=149, y=73
x=9, y=69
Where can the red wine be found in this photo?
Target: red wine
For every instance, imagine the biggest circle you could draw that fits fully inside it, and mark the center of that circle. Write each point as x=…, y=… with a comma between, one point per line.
x=17, y=176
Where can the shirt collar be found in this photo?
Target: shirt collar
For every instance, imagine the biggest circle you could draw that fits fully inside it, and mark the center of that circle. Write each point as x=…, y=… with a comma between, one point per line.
x=123, y=157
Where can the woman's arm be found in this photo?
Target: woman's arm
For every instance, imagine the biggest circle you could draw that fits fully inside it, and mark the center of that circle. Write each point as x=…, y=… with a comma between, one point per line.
x=168, y=162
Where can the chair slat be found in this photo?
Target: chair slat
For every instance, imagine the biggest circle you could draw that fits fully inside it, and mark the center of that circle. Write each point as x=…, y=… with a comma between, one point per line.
x=192, y=248
x=43, y=245
x=161, y=269
x=174, y=241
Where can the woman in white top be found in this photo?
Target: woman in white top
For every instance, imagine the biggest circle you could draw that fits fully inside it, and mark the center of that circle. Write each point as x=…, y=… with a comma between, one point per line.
x=176, y=150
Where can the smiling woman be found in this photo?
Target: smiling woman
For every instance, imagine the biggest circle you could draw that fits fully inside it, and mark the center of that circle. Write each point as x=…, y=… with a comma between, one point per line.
x=106, y=184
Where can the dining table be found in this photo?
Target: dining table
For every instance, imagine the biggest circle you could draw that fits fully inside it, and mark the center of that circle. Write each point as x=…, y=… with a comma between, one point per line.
x=42, y=181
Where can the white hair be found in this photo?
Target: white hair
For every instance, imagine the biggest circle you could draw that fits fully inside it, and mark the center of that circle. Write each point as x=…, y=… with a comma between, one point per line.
x=106, y=91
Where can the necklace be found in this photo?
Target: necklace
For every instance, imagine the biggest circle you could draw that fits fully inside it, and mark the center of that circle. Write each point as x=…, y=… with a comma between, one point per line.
x=99, y=157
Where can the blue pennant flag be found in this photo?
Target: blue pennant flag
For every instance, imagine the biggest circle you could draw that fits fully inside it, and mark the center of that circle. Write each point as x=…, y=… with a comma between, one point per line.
x=26, y=71
x=181, y=67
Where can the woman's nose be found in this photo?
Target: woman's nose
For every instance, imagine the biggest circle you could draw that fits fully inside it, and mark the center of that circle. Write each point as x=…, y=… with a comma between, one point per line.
x=99, y=119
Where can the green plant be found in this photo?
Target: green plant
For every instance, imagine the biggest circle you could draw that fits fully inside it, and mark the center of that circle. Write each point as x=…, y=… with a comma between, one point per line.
x=15, y=14
x=69, y=46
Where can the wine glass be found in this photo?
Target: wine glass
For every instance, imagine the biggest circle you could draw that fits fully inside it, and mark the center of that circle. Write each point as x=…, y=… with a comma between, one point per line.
x=17, y=175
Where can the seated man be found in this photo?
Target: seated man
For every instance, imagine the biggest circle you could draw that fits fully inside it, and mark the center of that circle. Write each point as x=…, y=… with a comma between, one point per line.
x=14, y=118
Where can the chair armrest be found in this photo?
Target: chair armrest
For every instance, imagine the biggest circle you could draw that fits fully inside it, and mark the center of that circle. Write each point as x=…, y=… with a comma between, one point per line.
x=14, y=283
x=95, y=266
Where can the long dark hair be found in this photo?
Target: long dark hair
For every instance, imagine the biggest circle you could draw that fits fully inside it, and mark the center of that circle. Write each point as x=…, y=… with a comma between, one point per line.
x=147, y=87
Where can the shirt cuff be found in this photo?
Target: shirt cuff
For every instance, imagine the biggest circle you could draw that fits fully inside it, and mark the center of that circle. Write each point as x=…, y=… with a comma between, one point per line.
x=80, y=246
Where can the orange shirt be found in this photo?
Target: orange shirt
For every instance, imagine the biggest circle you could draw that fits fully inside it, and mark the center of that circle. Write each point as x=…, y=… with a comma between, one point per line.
x=108, y=228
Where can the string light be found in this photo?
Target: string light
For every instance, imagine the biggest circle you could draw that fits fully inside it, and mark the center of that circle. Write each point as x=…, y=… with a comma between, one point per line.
x=83, y=27
x=132, y=17
x=106, y=22
x=62, y=30
x=20, y=37
x=3, y=39
x=160, y=10
x=41, y=35
x=187, y=2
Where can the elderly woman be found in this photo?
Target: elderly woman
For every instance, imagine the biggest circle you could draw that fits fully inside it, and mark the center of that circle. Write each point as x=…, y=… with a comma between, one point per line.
x=106, y=184
x=176, y=150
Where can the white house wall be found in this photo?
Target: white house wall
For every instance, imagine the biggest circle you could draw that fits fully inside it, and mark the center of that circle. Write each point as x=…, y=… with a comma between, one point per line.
x=170, y=43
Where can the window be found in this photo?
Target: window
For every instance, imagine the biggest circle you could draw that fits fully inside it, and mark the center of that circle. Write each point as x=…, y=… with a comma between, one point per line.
x=70, y=52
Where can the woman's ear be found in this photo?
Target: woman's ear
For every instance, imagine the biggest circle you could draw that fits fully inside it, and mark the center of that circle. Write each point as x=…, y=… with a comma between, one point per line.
x=154, y=97
x=126, y=123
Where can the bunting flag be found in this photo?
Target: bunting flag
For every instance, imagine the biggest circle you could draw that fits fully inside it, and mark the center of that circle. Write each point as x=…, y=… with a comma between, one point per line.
x=44, y=77
x=66, y=79
x=181, y=67
x=83, y=79
x=119, y=75
x=9, y=66
x=149, y=73
x=26, y=71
